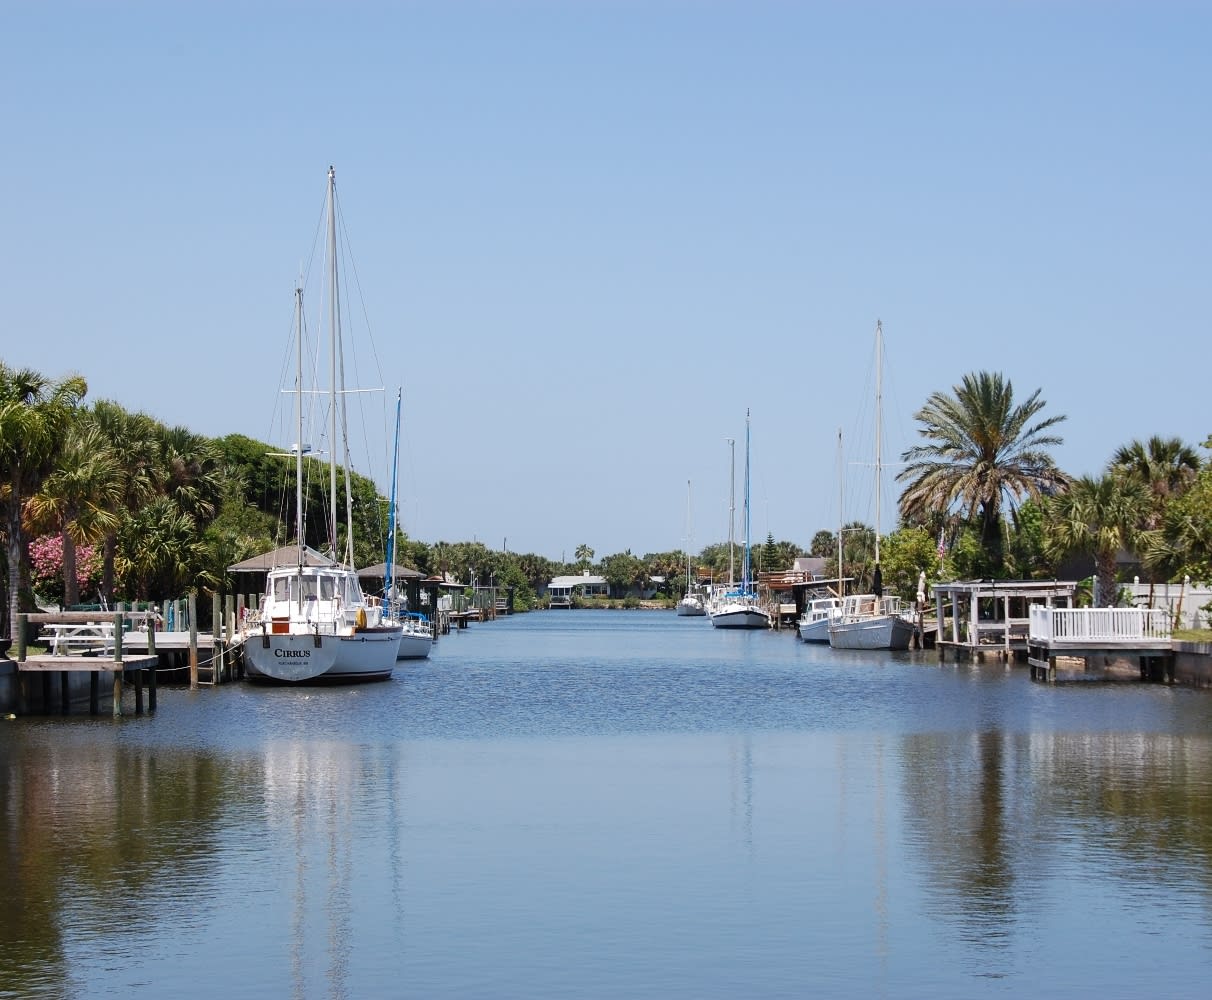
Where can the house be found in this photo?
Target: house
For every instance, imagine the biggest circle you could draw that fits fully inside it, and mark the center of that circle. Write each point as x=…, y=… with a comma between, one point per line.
x=561, y=589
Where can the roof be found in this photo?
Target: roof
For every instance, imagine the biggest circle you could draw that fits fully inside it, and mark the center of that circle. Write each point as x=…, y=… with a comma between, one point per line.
x=1007, y=588
x=288, y=555
x=379, y=572
x=572, y=581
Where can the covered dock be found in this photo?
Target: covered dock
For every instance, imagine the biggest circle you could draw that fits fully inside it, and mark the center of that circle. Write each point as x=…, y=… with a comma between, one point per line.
x=979, y=618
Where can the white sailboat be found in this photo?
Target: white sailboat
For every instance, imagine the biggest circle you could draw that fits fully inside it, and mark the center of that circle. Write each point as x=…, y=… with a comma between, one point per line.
x=873, y=621
x=314, y=623
x=692, y=605
x=738, y=607
x=416, y=631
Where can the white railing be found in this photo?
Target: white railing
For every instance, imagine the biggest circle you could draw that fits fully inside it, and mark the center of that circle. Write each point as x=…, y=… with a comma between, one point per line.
x=1102, y=625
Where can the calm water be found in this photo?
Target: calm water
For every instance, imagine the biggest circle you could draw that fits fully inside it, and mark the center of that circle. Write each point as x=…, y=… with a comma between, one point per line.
x=617, y=804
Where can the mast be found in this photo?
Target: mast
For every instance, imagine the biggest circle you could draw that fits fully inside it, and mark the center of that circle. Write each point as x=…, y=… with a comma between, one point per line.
x=389, y=581
x=687, y=537
x=731, y=505
x=841, y=490
x=877, y=578
x=299, y=437
x=332, y=345
x=745, y=565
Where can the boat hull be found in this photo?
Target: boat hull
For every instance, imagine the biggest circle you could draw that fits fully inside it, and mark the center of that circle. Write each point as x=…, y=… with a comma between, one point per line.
x=414, y=646
x=324, y=658
x=881, y=632
x=815, y=631
x=740, y=616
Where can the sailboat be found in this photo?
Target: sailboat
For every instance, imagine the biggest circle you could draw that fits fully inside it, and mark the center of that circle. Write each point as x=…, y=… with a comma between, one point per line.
x=739, y=607
x=873, y=621
x=692, y=604
x=314, y=623
x=416, y=635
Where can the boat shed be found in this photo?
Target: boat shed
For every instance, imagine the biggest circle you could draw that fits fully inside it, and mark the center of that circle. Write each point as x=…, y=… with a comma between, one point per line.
x=978, y=617
x=407, y=582
x=251, y=574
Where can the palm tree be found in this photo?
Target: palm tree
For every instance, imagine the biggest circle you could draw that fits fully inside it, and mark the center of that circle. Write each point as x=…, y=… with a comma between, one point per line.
x=1098, y=517
x=79, y=499
x=584, y=555
x=1167, y=468
x=34, y=413
x=132, y=437
x=984, y=452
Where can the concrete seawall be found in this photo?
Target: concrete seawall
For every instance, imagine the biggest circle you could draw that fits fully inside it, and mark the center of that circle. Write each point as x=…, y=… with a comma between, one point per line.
x=1193, y=663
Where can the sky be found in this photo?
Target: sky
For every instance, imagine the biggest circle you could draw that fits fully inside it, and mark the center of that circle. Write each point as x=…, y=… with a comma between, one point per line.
x=590, y=235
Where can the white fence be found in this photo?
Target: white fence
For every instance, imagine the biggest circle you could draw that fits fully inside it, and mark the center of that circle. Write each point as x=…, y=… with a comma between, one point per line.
x=1104, y=626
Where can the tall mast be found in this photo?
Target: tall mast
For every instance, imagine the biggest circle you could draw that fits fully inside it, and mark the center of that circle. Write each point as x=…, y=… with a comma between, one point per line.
x=332, y=346
x=877, y=578
x=745, y=565
x=687, y=536
x=389, y=580
x=841, y=490
x=299, y=437
x=731, y=505
x=879, y=417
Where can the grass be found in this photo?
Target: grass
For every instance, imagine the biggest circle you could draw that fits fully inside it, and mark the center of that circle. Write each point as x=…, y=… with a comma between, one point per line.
x=1192, y=634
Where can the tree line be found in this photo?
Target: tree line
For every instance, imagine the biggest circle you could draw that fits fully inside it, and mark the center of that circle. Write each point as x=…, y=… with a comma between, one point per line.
x=101, y=503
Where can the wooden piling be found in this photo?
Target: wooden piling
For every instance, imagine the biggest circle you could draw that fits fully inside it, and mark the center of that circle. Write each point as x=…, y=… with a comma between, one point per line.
x=216, y=629
x=151, y=651
x=118, y=660
x=193, y=642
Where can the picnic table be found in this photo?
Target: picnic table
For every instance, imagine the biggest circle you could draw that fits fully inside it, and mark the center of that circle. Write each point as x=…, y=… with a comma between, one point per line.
x=71, y=638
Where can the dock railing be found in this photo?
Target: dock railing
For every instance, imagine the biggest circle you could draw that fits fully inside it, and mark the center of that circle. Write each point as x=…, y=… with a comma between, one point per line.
x=1104, y=626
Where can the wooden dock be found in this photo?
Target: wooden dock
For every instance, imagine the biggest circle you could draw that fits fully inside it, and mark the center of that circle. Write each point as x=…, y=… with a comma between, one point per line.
x=88, y=643
x=1088, y=634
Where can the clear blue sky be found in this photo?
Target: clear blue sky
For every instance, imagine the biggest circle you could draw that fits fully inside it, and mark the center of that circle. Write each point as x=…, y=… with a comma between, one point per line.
x=590, y=234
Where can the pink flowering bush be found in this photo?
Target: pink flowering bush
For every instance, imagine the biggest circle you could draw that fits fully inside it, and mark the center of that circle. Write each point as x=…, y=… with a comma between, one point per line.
x=46, y=568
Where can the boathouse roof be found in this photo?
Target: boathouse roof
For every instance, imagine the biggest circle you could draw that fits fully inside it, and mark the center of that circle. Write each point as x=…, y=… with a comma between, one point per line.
x=288, y=555
x=566, y=582
x=379, y=572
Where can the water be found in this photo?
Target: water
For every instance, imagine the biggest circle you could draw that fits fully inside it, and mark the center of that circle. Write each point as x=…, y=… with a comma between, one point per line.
x=617, y=804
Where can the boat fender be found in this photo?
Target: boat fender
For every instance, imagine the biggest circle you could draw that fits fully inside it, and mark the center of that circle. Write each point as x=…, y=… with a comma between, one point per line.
x=360, y=619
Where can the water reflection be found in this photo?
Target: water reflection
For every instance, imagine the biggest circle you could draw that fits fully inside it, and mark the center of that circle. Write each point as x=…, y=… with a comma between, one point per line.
x=995, y=816
x=91, y=833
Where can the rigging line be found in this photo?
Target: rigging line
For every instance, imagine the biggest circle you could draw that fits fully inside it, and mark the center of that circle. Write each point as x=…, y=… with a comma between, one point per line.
x=349, y=267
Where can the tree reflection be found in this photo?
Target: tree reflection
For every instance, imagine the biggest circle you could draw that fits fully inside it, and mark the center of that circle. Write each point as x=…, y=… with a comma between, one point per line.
x=90, y=831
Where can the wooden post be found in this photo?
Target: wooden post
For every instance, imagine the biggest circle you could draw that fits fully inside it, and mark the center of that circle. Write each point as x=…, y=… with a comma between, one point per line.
x=151, y=651
x=22, y=622
x=193, y=642
x=118, y=665
x=216, y=638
